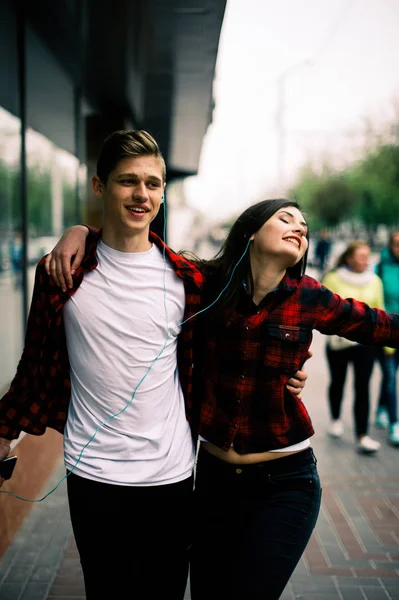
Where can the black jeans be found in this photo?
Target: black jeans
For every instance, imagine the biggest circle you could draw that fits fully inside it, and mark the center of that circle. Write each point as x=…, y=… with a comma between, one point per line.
x=388, y=392
x=362, y=358
x=133, y=542
x=253, y=523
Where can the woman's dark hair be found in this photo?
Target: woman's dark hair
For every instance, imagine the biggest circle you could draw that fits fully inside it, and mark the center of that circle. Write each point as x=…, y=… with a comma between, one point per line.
x=221, y=266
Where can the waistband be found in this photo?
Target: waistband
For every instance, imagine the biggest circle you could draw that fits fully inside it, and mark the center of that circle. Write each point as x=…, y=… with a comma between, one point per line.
x=279, y=465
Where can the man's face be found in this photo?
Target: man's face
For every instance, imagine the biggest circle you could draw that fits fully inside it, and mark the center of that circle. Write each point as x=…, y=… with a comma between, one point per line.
x=132, y=195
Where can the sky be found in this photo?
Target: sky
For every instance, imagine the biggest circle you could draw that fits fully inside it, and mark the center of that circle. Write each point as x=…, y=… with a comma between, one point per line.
x=325, y=66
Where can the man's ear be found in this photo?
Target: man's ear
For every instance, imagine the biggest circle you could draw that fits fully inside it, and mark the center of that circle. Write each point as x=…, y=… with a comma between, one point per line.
x=97, y=185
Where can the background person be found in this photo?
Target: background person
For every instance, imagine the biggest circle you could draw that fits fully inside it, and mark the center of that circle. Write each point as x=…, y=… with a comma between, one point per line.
x=353, y=278
x=387, y=409
x=322, y=251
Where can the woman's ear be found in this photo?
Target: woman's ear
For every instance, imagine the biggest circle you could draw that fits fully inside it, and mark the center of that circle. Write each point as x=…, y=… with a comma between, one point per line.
x=251, y=239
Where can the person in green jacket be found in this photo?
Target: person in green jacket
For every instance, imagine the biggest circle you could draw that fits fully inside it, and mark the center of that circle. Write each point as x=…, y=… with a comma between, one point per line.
x=388, y=271
x=352, y=278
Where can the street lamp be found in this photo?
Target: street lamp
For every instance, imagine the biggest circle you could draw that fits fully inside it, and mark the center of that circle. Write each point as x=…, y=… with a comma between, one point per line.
x=280, y=121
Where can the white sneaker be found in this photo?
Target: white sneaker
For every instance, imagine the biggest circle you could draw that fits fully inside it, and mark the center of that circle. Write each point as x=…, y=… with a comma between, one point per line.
x=336, y=429
x=367, y=445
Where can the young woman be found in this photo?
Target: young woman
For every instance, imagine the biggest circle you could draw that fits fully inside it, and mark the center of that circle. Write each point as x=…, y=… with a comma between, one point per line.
x=352, y=278
x=257, y=490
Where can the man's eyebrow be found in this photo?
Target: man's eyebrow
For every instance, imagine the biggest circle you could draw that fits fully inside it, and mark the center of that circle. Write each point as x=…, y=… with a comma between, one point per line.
x=132, y=175
x=292, y=216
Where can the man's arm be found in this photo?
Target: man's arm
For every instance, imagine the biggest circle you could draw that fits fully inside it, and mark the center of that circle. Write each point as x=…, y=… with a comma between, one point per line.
x=59, y=263
x=296, y=384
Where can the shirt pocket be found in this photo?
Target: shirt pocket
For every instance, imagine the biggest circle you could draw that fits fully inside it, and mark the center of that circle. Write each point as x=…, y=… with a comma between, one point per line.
x=286, y=347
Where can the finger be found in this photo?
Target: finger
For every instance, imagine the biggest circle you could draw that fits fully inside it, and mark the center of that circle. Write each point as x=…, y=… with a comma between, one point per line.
x=66, y=270
x=53, y=271
x=60, y=274
x=299, y=378
x=294, y=390
x=77, y=260
x=47, y=263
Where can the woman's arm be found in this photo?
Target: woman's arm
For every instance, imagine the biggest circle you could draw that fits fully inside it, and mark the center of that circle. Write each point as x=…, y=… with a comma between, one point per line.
x=356, y=321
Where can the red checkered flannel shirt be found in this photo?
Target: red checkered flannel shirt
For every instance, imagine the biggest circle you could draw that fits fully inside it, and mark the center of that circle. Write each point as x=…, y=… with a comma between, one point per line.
x=247, y=361
x=40, y=392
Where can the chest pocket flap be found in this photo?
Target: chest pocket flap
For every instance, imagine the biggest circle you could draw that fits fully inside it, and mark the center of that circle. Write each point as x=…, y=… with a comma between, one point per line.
x=290, y=334
x=286, y=347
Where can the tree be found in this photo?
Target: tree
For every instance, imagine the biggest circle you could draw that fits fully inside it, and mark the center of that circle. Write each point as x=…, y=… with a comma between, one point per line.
x=375, y=180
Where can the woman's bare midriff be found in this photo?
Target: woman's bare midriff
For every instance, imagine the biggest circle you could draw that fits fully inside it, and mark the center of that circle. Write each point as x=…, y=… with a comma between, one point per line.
x=243, y=459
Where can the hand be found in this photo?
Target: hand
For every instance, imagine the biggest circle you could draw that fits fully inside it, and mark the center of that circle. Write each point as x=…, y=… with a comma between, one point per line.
x=59, y=264
x=296, y=384
x=5, y=447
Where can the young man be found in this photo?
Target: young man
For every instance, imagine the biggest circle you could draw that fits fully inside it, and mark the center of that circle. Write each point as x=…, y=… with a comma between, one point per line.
x=106, y=362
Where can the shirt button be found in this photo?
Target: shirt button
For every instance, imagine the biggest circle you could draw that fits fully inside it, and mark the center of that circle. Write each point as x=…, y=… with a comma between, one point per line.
x=246, y=328
x=287, y=335
x=238, y=401
x=235, y=426
x=238, y=471
x=257, y=312
x=242, y=376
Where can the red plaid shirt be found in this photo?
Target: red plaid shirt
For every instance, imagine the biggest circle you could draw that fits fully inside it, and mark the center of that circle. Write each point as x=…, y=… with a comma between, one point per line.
x=247, y=361
x=40, y=392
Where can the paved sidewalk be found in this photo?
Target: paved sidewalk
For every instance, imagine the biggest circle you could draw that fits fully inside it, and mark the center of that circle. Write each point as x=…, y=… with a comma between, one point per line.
x=353, y=554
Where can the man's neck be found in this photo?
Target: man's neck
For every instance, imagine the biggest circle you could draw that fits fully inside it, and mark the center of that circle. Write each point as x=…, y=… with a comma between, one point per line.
x=133, y=242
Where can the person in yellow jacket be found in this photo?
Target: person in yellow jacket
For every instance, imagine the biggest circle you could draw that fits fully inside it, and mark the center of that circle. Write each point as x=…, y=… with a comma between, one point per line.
x=352, y=278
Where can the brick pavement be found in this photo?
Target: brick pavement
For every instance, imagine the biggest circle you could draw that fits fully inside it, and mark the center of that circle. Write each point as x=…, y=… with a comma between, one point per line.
x=352, y=555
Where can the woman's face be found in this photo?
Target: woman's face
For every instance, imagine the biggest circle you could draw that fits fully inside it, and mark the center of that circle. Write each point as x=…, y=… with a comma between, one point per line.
x=360, y=259
x=283, y=236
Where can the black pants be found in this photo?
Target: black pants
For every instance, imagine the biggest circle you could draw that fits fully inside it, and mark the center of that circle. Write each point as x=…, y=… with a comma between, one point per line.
x=253, y=523
x=388, y=392
x=362, y=358
x=133, y=542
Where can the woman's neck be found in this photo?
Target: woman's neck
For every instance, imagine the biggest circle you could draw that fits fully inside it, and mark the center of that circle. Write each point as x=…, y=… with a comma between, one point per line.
x=266, y=277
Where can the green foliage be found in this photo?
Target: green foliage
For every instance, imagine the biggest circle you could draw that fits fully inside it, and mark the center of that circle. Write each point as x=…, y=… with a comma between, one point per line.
x=10, y=213
x=367, y=192
x=376, y=181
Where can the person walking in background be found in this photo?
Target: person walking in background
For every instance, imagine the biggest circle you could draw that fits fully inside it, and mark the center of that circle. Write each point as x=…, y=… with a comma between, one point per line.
x=322, y=251
x=353, y=278
x=387, y=410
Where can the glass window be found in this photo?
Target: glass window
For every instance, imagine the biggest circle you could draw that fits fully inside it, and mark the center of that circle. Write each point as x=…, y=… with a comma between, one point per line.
x=11, y=298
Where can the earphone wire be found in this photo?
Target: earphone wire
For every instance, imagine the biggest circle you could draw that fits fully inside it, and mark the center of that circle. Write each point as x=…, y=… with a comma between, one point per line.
x=37, y=500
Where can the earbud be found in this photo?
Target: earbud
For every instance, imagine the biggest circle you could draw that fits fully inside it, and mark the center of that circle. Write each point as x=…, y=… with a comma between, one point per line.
x=163, y=198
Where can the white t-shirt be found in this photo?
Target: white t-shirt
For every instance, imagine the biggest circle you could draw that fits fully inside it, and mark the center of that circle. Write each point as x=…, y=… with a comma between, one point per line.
x=116, y=327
